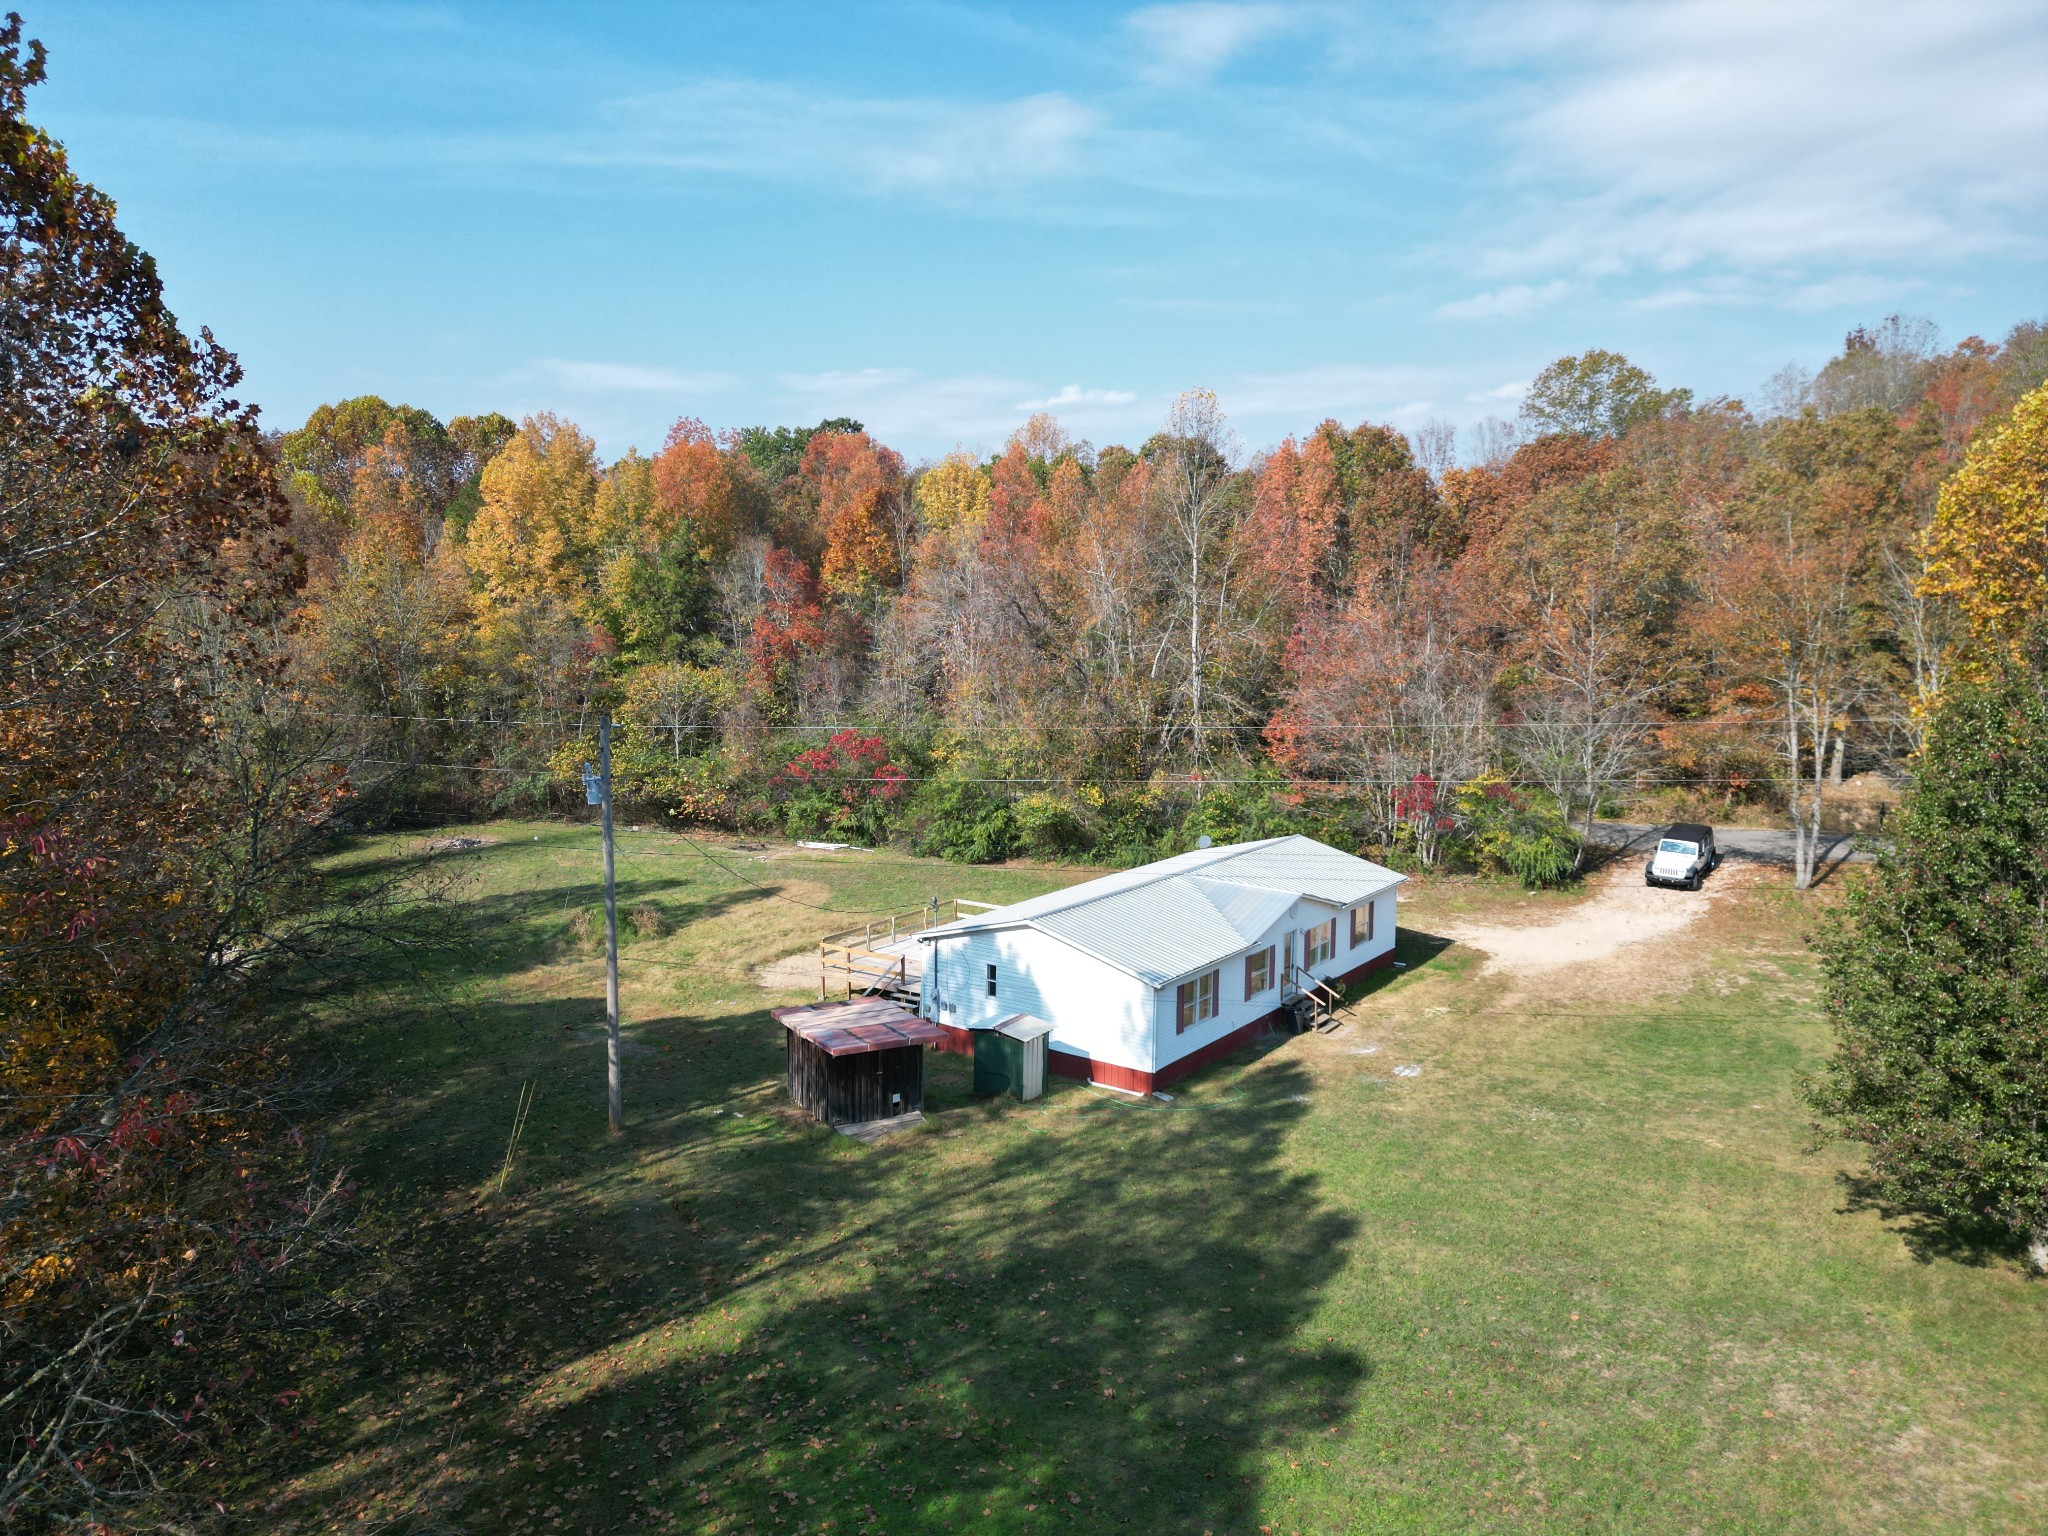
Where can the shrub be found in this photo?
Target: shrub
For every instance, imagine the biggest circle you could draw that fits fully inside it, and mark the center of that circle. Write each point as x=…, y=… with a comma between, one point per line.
x=964, y=821
x=1242, y=813
x=1516, y=832
x=1047, y=827
x=846, y=790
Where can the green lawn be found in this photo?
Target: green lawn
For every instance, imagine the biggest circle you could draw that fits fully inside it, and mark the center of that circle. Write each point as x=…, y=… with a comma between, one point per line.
x=1583, y=1273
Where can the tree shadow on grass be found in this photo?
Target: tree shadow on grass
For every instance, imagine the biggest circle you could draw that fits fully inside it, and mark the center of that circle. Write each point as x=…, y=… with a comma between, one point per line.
x=1078, y=1314
x=1928, y=1235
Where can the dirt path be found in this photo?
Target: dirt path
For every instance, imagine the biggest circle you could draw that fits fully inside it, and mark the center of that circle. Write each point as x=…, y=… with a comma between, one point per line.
x=1621, y=912
x=792, y=973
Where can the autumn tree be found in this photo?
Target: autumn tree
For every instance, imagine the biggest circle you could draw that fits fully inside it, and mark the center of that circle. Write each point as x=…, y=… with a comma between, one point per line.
x=1197, y=506
x=535, y=533
x=953, y=494
x=1390, y=704
x=678, y=703
x=1988, y=547
x=1791, y=607
x=855, y=485
x=154, y=1212
x=1886, y=367
x=1597, y=394
x=790, y=634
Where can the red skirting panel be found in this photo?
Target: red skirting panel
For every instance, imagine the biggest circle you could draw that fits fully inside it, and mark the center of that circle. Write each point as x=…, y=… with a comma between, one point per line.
x=1135, y=1080
x=1359, y=973
x=957, y=1041
x=1130, y=1079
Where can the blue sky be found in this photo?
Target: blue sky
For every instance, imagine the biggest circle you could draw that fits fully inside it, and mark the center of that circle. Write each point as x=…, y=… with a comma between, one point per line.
x=941, y=217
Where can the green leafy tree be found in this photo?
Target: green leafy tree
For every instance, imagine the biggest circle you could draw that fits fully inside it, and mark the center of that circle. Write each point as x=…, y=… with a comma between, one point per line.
x=778, y=452
x=1937, y=971
x=1597, y=394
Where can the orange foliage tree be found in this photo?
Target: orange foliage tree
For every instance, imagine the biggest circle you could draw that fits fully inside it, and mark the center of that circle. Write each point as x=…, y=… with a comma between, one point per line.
x=150, y=1191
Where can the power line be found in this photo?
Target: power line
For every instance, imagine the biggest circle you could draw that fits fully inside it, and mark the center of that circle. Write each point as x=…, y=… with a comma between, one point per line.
x=878, y=728
x=1181, y=781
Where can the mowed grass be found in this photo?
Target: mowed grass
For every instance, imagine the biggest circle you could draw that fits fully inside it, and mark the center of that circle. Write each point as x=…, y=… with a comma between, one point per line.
x=1585, y=1272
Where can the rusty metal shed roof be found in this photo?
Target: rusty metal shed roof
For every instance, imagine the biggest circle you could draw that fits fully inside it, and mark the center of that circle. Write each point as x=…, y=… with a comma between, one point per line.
x=864, y=1024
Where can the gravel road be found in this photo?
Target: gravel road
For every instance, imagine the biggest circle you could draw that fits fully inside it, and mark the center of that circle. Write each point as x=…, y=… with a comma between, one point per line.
x=1766, y=845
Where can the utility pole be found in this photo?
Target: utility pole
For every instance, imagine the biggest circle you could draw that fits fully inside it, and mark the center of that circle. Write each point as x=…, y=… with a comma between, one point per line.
x=598, y=791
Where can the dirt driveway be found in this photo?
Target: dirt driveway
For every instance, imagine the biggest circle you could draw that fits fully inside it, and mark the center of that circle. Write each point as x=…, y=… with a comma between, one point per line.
x=1621, y=912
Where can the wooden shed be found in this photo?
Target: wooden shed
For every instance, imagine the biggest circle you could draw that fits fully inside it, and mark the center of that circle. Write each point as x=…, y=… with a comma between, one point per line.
x=859, y=1063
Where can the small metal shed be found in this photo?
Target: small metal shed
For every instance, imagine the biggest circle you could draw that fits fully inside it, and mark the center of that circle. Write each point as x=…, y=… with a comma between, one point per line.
x=1011, y=1058
x=854, y=1063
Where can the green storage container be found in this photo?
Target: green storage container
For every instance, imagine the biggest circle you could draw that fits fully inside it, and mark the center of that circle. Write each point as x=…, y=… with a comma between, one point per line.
x=998, y=1064
x=1012, y=1058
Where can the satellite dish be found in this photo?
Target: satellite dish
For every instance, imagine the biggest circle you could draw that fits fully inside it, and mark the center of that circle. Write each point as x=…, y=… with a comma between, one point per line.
x=1204, y=841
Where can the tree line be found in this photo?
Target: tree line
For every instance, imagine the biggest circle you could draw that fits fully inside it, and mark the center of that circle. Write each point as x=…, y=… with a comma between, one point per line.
x=1626, y=598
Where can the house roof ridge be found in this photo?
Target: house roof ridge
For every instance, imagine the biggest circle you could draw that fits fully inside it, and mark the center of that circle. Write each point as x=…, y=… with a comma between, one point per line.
x=1117, y=882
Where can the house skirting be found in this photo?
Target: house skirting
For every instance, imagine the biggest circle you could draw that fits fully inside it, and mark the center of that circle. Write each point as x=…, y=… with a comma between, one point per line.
x=1359, y=973
x=1136, y=1079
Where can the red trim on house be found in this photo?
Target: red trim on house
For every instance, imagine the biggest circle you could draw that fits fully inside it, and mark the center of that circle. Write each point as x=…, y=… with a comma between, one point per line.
x=957, y=1041
x=1359, y=973
x=1136, y=1080
x=1130, y=1079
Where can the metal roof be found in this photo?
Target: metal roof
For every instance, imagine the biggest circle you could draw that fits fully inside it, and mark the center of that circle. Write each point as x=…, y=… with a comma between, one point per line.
x=861, y=1025
x=1168, y=919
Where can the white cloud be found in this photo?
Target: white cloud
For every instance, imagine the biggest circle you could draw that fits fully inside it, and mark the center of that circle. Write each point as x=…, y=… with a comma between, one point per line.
x=923, y=414
x=1503, y=303
x=1849, y=289
x=920, y=144
x=627, y=378
x=1190, y=42
x=1307, y=395
x=1513, y=390
x=1767, y=136
x=1074, y=395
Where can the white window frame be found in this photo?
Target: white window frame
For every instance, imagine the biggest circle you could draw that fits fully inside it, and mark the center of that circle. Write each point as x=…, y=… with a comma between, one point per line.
x=1358, y=938
x=1266, y=976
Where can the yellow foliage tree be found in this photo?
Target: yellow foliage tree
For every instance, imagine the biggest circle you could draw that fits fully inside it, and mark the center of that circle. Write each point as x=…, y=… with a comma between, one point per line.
x=1988, y=546
x=953, y=495
x=536, y=534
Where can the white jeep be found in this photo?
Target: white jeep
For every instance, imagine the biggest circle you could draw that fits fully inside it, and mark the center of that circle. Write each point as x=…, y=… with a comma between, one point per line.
x=1685, y=854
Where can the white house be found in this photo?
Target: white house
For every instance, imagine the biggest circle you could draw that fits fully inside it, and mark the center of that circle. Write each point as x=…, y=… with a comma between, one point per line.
x=1149, y=973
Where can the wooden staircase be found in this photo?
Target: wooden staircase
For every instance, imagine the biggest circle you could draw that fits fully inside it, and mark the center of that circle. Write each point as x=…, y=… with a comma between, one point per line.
x=1323, y=1005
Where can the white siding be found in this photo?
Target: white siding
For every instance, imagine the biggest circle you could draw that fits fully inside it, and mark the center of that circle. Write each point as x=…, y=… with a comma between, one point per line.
x=1106, y=1014
x=1169, y=1044
x=1233, y=1010
x=1095, y=1010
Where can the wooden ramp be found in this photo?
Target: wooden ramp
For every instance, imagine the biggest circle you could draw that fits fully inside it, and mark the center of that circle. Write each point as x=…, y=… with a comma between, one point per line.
x=883, y=958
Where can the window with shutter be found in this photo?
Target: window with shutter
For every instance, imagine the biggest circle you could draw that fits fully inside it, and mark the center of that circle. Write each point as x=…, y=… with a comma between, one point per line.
x=1194, y=1001
x=1258, y=972
x=1361, y=925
